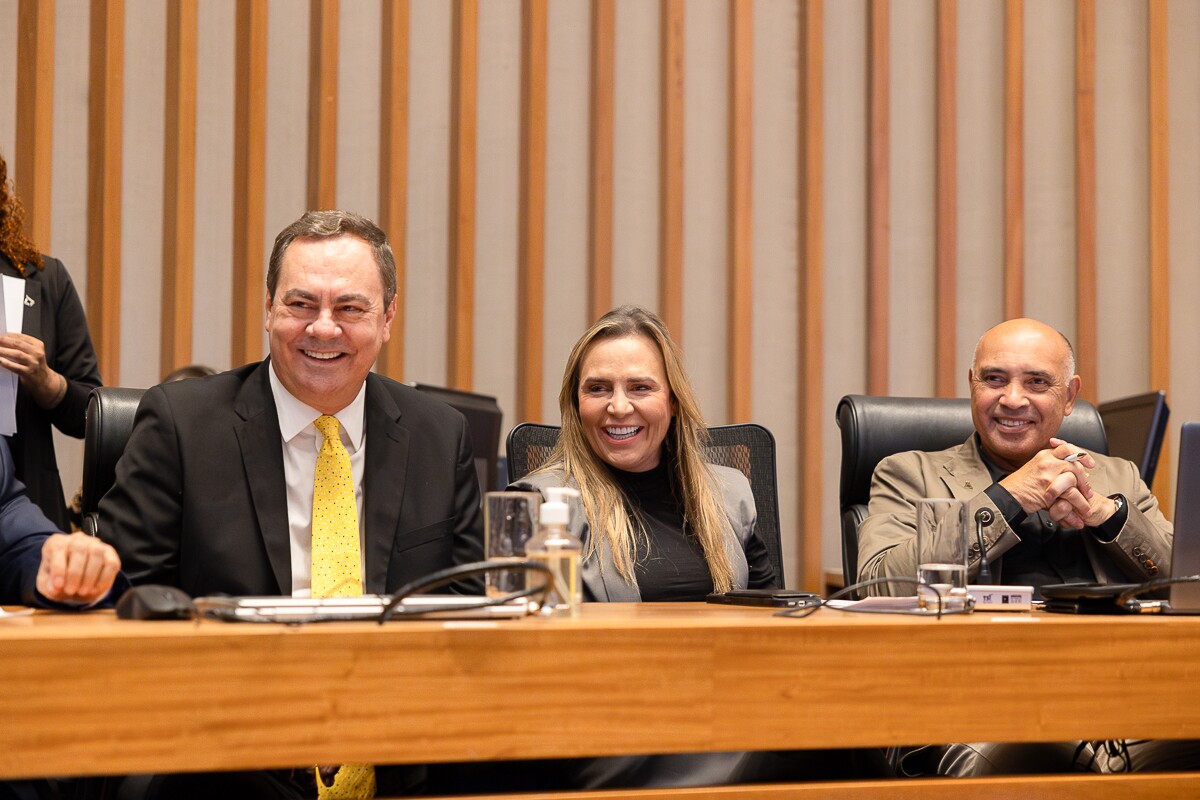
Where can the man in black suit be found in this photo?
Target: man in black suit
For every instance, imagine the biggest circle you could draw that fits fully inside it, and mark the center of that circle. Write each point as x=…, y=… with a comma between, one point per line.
x=214, y=491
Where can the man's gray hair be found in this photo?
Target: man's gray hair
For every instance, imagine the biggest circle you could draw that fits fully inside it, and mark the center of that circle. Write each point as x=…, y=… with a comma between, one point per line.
x=330, y=224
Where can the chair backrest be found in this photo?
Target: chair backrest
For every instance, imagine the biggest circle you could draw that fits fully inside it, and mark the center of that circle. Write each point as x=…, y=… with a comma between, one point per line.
x=1135, y=427
x=876, y=427
x=109, y=421
x=484, y=418
x=748, y=448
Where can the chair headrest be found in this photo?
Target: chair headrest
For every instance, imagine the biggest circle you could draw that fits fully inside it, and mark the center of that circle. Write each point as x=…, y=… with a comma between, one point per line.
x=876, y=427
x=110, y=414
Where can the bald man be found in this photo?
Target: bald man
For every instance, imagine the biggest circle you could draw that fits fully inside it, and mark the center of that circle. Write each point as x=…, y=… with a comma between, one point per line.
x=1057, y=521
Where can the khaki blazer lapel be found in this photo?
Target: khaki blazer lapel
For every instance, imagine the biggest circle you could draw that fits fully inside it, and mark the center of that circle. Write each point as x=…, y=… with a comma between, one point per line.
x=963, y=472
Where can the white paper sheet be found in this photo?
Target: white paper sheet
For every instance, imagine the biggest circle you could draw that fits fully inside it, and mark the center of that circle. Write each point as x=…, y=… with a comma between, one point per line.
x=12, y=314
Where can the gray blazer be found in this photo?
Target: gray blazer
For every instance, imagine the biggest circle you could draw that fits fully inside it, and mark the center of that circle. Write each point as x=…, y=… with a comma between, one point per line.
x=600, y=577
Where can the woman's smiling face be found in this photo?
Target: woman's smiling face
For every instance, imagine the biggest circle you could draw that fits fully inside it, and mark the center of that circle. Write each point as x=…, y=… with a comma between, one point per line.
x=625, y=402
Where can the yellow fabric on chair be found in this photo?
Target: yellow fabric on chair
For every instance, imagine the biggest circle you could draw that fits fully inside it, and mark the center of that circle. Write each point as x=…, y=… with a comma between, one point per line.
x=337, y=570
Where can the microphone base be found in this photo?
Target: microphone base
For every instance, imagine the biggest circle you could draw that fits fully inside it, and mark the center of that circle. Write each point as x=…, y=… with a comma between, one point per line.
x=1001, y=598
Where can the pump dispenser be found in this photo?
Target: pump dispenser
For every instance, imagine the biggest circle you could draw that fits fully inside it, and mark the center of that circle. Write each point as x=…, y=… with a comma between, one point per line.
x=559, y=550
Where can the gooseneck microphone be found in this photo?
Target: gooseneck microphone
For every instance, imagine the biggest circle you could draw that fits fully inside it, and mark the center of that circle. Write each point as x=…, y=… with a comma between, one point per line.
x=983, y=517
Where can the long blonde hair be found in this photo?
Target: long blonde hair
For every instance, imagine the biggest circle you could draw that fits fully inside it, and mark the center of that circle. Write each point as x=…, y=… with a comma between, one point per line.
x=603, y=501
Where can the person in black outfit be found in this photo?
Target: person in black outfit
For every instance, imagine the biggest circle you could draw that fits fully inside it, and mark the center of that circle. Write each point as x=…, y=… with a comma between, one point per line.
x=52, y=357
x=674, y=529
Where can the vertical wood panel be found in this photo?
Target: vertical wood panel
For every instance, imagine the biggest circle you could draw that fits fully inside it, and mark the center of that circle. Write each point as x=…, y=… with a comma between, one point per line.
x=32, y=167
x=878, y=190
x=249, y=179
x=1014, y=159
x=600, y=159
x=1160, y=272
x=179, y=186
x=741, y=243
x=670, y=242
x=322, y=104
x=463, y=104
x=105, y=111
x=393, y=164
x=811, y=374
x=532, y=246
x=946, y=266
x=1085, y=195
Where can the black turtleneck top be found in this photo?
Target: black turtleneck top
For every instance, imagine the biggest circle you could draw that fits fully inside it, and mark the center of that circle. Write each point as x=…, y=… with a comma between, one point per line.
x=670, y=564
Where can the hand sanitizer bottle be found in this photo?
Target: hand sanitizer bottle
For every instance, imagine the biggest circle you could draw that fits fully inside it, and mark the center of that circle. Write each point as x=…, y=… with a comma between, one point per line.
x=559, y=551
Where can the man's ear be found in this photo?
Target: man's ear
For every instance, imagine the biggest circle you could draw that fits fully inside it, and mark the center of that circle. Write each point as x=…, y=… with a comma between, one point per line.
x=1072, y=392
x=388, y=317
x=267, y=316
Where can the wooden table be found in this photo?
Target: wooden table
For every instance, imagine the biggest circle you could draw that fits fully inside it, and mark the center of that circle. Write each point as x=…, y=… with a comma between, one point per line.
x=90, y=694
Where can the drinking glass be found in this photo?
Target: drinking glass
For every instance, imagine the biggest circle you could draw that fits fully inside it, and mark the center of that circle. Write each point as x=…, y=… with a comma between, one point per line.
x=943, y=529
x=509, y=521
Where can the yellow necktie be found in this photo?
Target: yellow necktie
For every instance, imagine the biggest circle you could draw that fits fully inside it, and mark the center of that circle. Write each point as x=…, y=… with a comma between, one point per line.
x=337, y=570
x=336, y=558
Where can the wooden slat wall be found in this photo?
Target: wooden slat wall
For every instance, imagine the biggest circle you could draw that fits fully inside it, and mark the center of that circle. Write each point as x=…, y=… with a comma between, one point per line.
x=946, y=258
x=878, y=197
x=249, y=179
x=179, y=186
x=531, y=301
x=465, y=84
x=106, y=76
x=31, y=168
x=322, y=104
x=741, y=224
x=1085, y=196
x=1160, y=271
x=393, y=164
x=600, y=159
x=670, y=291
x=34, y=93
x=1014, y=159
x=812, y=290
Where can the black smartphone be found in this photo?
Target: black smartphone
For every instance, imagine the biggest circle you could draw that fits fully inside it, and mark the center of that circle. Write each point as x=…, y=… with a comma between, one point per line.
x=777, y=598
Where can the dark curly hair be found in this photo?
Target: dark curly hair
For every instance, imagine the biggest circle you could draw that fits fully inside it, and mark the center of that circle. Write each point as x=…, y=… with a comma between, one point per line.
x=13, y=242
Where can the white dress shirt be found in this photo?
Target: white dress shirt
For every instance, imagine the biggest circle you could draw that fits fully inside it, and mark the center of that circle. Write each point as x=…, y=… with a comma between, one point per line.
x=301, y=442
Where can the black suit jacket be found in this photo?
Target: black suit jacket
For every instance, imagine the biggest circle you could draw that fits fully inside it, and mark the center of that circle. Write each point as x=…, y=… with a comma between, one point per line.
x=199, y=500
x=53, y=314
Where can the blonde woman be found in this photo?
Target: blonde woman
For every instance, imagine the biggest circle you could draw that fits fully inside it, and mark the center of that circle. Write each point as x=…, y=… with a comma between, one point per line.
x=657, y=522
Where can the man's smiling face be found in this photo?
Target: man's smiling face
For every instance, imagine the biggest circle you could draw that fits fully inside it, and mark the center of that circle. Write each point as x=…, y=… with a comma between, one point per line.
x=1021, y=389
x=327, y=320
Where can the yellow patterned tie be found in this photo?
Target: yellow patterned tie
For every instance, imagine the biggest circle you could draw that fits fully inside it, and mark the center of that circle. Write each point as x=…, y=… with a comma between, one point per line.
x=336, y=559
x=337, y=570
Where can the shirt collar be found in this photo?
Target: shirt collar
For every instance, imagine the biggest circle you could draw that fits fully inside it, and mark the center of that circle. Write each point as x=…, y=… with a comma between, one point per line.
x=296, y=417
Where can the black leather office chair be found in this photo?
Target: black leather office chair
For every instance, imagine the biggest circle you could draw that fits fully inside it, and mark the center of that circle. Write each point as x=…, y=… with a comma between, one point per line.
x=108, y=424
x=876, y=427
x=484, y=418
x=748, y=448
x=1135, y=427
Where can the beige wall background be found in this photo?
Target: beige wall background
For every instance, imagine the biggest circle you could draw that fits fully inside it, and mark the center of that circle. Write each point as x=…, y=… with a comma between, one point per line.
x=789, y=39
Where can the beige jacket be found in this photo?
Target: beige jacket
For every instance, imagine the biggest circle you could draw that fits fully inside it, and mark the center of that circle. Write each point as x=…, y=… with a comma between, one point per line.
x=887, y=538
